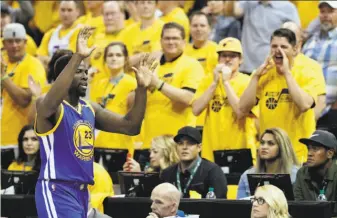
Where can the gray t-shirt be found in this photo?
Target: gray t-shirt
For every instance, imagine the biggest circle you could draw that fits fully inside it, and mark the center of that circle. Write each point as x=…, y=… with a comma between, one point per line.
x=259, y=23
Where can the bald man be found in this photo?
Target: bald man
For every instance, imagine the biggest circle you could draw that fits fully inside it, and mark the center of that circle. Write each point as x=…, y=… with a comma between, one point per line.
x=302, y=60
x=165, y=201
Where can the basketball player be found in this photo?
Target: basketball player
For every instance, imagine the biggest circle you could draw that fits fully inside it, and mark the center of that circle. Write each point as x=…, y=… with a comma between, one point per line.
x=65, y=125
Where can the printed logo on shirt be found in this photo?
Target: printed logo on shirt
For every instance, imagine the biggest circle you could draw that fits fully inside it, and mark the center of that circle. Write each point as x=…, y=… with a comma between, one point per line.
x=83, y=140
x=217, y=102
x=274, y=98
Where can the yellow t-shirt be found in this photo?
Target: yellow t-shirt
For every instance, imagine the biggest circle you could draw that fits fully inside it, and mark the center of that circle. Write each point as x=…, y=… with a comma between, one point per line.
x=46, y=15
x=303, y=60
x=163, y=116
x=101, y=40
x=307, y=10
x=207, y=55
x=117, y=103
x=96, y=22
x=102, y=188
x=222, y=130
x=147, y=40
x=15, y=166
x=31, y=47
x=277, y=108
x=13, y=116
x=178, y=15
x=43, y=48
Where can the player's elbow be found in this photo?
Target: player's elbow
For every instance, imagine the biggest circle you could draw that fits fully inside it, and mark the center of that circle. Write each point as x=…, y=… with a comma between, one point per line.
x=133, y=130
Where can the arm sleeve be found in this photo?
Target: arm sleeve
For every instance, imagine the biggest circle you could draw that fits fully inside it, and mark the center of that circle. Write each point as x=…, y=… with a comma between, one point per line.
x=193, y=76
x=219, y=182
x=298, y=194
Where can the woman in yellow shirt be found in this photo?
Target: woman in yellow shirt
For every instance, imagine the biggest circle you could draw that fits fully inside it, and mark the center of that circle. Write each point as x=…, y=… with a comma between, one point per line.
x=163, y=153
x=29, y=151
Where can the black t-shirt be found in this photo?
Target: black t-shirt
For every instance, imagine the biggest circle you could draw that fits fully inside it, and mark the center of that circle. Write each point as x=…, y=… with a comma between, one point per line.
x=207, y=175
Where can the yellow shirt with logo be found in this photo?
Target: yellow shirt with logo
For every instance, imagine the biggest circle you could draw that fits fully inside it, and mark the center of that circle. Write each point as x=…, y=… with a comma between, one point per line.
x=116, y=102
x=163, y=116
x=103, y=187
x=43, y=48
x=147, y=40
x=15, y=166
x=222, y=130
x=303, y=60
x=178, y=16
x=31, y=47
x=101, y=40
x=277, y=108
x=14, y=117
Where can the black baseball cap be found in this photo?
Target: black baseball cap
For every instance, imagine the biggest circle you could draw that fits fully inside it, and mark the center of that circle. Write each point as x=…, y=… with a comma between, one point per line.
x=323, y=138
x=190, y=132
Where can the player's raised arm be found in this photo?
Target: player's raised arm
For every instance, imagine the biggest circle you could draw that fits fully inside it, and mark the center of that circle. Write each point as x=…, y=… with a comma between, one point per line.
x=129, y=124
x=48, y=105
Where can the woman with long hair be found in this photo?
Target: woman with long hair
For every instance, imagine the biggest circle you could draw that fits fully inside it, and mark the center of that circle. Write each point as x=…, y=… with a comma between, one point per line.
x=163, y=153
x=269, y=202
x=113, y=89
x=275, y=155
x=29, y=151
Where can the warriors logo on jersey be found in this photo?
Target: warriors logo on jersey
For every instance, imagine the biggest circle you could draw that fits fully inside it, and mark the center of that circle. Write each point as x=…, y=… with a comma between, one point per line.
x=83, y=140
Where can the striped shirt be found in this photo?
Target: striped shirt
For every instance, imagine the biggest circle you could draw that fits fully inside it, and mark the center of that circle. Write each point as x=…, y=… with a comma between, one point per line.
x=323, y=49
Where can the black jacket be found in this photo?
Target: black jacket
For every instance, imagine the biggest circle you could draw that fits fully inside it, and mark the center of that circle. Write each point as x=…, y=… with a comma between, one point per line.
x=208, y=175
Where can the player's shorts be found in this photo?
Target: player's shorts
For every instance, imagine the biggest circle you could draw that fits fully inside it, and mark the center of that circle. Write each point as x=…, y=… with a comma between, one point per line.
x=58, y=199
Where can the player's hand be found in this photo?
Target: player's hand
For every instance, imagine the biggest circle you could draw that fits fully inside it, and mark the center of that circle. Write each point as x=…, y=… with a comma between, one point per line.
x=152, y=215
x=145, y=71
x=82, y=42
x=266, y=66
x=285, y=68
x=34, y=87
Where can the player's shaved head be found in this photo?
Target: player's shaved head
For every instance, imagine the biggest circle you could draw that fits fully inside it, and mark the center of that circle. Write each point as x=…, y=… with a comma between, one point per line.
x=168, y=191
x=290, y=25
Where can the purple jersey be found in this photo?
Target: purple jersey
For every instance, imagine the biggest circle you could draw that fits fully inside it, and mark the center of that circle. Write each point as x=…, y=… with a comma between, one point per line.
x=67, y=150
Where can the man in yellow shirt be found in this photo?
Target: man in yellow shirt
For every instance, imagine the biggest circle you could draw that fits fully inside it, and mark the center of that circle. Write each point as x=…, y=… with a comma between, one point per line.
x=172, y=87
x=113, y=17
x=286, y=92
x=218, y=94
x=173, y=13
x=63, y=36
x=16, y=96
x=6, y=19
x=303, y=60
x=148, y=30
x=94, y=16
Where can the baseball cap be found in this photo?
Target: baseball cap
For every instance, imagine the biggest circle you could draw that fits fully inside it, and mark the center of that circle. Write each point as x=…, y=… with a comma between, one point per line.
x=323, y=138
x=332, y=4
x=14, y=31
x=230, y=44
x=188, y=131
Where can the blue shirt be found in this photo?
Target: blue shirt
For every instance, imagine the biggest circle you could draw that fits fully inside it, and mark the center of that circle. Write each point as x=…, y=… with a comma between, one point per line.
x=67, y=150
x=243, y=189
x=323, y=49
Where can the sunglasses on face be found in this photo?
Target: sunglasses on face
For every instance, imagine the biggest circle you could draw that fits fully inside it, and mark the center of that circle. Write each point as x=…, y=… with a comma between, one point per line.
x=259, y=200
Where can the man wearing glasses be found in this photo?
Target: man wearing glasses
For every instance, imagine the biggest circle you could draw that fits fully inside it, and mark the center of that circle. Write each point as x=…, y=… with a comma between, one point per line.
x=194, y=174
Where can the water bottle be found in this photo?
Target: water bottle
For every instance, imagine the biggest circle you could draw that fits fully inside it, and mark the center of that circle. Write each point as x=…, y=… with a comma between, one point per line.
x=147, y=167
x=321, y=196
x=210, y=193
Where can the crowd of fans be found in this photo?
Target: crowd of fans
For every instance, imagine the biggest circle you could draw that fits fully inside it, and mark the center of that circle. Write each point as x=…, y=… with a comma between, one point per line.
x=258, y=75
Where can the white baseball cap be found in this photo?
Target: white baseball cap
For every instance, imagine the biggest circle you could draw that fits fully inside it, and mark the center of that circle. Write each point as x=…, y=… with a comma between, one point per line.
x=14, y=31
x=332, y=4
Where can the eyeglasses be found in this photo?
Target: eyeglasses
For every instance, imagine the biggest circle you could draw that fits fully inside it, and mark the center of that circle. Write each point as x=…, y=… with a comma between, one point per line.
x=259, y=200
